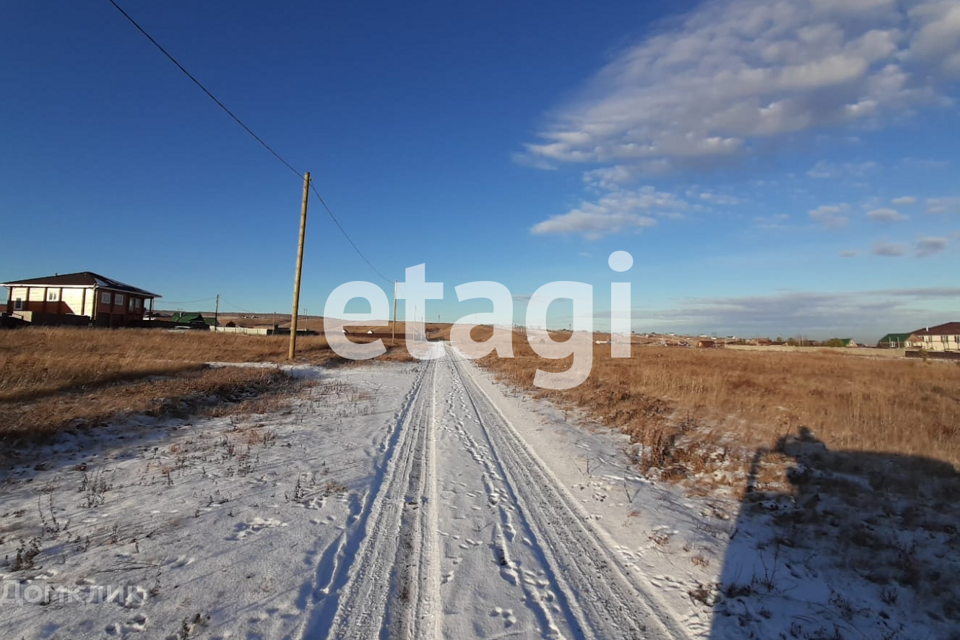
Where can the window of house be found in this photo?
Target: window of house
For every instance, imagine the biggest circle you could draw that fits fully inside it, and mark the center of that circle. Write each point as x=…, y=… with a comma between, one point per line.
x=130, y=304
x=139, y=303
x=118, y=299
x=105, y=297
x=18, y=304
x=53, y=295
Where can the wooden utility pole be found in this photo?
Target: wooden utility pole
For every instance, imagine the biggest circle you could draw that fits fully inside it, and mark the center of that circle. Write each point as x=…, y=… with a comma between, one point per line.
x=296, y=280
x=393, y=340
x=216, y=313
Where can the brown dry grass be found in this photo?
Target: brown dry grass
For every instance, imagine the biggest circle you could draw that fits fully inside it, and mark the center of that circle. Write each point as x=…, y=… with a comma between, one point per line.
x=188, y=392
x=40, y=361
x=53, y=377
x=685, y=405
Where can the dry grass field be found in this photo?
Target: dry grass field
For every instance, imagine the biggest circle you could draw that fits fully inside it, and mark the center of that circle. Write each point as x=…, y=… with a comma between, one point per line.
x=52, y=378
x=847, y=467
x=312, y=323
x=693, y=409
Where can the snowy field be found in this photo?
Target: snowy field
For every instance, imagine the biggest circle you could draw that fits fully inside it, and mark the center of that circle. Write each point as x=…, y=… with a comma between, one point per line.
x=419, y=501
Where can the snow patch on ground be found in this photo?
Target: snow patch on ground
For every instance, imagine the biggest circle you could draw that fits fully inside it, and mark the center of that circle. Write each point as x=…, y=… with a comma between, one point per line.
x=198, y=526
x=277, y=526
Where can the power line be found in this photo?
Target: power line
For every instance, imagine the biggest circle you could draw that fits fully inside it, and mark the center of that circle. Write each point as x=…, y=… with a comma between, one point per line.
x=204, y=89
x=248, y=130
x=187, y=301
x=352, y=244
x=230, y=304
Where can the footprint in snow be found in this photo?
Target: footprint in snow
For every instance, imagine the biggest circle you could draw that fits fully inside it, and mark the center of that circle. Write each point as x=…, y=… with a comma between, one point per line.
x=507, y=614
x=258, y=524
x=137, y=623
x=182, y=561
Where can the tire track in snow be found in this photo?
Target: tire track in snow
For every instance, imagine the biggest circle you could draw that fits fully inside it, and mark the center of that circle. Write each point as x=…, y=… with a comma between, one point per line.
x=414, y=610
x=602, y=601
x=352, y=591
x=503, y=532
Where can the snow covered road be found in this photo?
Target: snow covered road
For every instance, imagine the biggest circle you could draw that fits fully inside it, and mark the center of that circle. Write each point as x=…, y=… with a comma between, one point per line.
x=385, y=501
x=471, y=535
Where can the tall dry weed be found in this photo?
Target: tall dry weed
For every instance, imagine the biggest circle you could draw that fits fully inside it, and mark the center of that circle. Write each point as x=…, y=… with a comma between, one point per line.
x=754, y=398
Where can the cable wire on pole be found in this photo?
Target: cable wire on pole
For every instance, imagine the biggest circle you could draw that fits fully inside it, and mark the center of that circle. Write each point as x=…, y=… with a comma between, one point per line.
x=352, y=244
x=248, y=130
x=230, y=304
x=188, y=301
x=203, y=88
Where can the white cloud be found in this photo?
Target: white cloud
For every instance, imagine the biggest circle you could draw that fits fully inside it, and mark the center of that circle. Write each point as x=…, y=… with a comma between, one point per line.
x=851, y=6
x=774, y=222
x=825, y=169
x=886, y=215
x=888, y=250
x=850, y=253
x=616, y=211
x=719, y=198
x=711, y=84
x=923, y=163
x=930, y=245
x=610, y=178
x=903, y=200
x=593, y=225
x=864, y=314
x=830, y=215
x=938, y=40
x=943, y=205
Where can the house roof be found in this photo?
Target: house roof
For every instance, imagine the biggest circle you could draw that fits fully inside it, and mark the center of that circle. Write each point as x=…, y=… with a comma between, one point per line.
x=895, y=337
x=947, y=329
x=187, y=316
x=81, y=279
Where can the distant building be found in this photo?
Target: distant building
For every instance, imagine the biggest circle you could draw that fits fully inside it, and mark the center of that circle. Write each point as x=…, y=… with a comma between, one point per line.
x=369, y=332
x=894, y=341
x=943, y=337
x=195, y=319
x=78, y=298
x=840, y=342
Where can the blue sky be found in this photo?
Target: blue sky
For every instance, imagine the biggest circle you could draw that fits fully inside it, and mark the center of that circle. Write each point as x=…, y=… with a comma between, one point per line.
x=773, y=167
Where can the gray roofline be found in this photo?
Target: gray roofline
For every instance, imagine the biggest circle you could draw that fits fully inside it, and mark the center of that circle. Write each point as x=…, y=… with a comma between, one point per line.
x=141, y=292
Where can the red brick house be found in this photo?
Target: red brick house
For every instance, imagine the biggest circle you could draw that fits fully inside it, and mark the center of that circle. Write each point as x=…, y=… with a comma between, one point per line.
x=77, y=298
